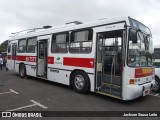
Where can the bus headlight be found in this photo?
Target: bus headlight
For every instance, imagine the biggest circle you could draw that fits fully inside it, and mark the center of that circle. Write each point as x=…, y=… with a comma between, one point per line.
x=139, y=80
x=153, y=77
x=136, y=81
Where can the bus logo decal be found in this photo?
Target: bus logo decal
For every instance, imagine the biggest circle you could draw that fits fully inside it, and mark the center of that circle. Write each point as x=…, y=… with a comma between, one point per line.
x=58, y=58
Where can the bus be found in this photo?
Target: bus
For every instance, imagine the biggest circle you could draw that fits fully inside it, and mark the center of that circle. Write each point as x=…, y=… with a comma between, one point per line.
x=156, y=86
x=113, y=57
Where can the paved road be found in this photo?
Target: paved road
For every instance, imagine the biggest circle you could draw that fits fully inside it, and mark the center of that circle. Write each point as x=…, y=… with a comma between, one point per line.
x=56, y=97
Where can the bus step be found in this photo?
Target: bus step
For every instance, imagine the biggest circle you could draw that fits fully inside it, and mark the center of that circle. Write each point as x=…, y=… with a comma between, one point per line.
x=115, y=85
x=110, y=89
x=116, y=93
x=115, y=79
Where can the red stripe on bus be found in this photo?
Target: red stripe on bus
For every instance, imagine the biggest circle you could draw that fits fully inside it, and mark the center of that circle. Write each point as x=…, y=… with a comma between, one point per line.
x=9, y=57
x=50, y=60
x=79, y=62
x=23, y=58
x=26, y=58
x=29, y=58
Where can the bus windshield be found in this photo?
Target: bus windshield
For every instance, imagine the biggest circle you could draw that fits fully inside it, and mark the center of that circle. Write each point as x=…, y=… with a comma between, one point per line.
x=140, y=50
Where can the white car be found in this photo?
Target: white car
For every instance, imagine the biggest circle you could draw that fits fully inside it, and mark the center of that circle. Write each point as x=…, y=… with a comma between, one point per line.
x=156, y=86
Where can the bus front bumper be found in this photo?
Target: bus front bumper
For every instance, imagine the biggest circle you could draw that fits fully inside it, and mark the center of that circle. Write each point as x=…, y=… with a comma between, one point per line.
x=135, y=91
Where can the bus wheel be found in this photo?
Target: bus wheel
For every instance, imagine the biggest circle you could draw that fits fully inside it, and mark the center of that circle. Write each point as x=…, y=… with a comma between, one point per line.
x=22, y=71
x=80, y=82
x=156, y=87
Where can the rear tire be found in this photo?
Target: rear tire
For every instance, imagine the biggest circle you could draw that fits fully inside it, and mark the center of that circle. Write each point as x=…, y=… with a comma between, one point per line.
x=80, y=82
x=22, y=71
x=156, y=87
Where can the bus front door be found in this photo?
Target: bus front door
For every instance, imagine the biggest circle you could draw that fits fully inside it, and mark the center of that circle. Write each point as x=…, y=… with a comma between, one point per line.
x=13, y=55
x=42, y=58
x=109, y=62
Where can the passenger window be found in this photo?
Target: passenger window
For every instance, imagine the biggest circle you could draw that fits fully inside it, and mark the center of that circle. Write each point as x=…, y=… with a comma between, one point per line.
x=22, y=46
x=32, y=45
x=9, y=47
x=81, y=41
x=41, y=50
x=60, y=43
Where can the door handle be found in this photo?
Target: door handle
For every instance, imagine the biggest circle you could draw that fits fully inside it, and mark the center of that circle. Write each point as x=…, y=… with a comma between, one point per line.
x=53, y=70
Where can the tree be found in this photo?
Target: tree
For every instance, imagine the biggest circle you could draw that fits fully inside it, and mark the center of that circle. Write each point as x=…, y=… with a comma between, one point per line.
x=3, y=46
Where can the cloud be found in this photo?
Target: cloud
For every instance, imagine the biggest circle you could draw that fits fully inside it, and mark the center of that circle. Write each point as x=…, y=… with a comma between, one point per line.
x=19, y=15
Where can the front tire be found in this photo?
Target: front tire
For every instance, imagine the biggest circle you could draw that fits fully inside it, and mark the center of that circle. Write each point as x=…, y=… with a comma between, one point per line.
x=156, y=87
x=22, y=71
x=80, y=82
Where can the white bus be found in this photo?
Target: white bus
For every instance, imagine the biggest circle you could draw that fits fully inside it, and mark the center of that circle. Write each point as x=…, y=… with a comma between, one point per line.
x=112, y=57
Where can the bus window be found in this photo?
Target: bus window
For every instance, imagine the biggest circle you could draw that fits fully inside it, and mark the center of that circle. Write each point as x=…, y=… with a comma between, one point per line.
x=81, y=41
x=59, y=43
x=22, y=46
x=9, y=48
x=41, y=50
x=31, y=45
x=112, y=54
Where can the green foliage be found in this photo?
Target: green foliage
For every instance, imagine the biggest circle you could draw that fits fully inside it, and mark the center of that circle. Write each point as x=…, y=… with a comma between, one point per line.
x=3, y=46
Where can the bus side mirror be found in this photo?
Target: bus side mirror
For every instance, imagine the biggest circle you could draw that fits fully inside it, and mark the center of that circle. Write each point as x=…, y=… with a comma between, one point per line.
x=133, y=36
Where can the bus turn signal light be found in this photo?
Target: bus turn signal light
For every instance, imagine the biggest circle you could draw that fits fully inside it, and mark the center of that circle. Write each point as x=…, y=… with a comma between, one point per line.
x=131, y=81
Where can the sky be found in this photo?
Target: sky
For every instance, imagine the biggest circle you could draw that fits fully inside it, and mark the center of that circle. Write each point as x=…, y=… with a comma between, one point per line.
x=17, y=15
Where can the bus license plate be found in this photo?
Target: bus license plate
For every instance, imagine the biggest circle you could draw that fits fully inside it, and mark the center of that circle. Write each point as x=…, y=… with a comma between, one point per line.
x=146, y=92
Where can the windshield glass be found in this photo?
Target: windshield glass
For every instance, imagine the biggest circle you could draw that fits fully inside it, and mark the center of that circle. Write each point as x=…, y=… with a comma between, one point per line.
x=140, y=50
x=157, y=57
x=136, y=24
x=157, y=64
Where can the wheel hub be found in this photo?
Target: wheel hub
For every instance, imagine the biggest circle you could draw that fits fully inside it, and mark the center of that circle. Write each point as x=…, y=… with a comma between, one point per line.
x=155, y=87
x=79, y=82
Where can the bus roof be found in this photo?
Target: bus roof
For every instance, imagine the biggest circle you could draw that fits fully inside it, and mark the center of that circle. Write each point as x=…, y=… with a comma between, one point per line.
x=69, y=27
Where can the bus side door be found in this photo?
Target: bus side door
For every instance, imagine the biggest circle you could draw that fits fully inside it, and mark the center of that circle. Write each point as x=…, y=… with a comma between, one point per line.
x=13, y=55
